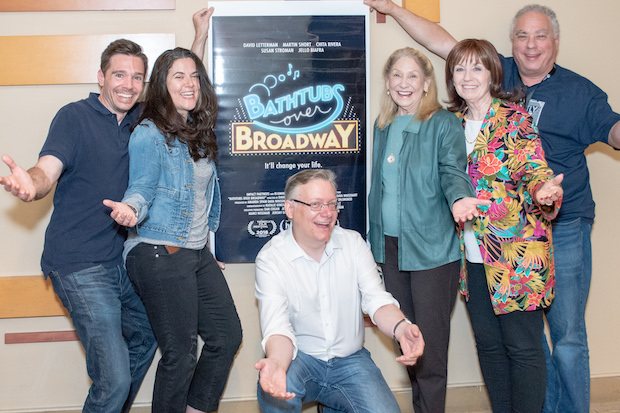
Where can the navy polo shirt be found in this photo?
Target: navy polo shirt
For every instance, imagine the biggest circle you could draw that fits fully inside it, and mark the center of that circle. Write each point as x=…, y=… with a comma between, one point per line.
x=571, y=113
x=86, y=137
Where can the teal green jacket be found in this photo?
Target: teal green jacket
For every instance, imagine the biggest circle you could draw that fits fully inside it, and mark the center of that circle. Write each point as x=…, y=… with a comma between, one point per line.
x=432, y=175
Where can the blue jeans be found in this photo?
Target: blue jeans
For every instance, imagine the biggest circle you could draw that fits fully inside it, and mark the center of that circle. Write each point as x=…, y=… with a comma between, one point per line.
x=186, y=295
x=568, y=367
x=510, y=350
x=112, y=325
x=348, y=384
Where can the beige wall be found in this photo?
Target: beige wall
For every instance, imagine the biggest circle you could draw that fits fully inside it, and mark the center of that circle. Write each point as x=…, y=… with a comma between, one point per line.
x=52, y=376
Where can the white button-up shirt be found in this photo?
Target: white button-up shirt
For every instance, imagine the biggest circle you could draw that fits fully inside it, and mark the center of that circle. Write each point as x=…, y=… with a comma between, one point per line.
x=318, y=305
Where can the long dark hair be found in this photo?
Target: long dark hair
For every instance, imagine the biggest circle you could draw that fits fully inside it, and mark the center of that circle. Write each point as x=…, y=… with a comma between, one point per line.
x=479, y=51
x=197, y=133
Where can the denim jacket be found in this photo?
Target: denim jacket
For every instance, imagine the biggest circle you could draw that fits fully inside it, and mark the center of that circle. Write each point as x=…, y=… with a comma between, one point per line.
x=161, y=187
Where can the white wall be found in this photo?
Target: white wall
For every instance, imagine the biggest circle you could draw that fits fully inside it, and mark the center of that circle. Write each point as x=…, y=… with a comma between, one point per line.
x=52, y=376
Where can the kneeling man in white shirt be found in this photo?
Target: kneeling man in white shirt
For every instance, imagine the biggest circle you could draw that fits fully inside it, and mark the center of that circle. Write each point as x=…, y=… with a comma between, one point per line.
x=313, y=282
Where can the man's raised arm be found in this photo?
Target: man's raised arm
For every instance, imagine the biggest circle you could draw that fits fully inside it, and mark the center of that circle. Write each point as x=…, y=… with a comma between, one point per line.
x=430, y=35
x=614, y=136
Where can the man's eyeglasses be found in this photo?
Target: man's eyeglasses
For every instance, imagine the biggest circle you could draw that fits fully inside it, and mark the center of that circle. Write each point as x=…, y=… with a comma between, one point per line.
x=317, y=206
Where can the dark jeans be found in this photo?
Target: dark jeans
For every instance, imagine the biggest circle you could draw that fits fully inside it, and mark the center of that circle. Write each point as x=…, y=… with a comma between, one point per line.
x=111, y=322
x=427, y=298
x=185, y=294
x=510, y=350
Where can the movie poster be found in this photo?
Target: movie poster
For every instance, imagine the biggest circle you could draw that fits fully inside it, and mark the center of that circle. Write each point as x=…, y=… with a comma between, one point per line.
x=291, y=84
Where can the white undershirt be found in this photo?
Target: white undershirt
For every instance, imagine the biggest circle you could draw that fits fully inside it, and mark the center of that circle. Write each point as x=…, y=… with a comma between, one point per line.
x=472, y=250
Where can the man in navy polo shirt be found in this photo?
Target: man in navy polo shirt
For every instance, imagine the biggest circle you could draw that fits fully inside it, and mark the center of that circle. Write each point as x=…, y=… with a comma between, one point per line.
x=86, y=156
x=571, y=113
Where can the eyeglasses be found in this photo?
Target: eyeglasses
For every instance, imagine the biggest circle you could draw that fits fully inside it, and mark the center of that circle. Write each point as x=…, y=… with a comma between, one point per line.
x=317, y=206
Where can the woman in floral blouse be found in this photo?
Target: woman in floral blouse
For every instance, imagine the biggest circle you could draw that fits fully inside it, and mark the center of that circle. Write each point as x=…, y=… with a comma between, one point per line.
x=510, y=269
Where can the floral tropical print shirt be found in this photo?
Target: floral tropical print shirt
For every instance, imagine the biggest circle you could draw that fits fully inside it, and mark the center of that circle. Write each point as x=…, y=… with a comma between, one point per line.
x=507, y=166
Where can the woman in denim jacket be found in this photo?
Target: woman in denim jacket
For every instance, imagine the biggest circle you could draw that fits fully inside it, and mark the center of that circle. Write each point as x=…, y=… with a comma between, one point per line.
x=172, y=203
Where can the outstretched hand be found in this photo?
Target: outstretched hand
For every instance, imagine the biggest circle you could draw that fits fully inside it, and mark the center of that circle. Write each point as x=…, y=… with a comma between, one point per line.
x=121, y=213
x=411, y=344
x=466, y=209
x=272, y=379
x=551, y=191
x=19, y=183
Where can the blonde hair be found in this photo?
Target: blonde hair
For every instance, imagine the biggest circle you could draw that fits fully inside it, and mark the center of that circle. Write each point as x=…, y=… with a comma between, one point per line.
x=429, y=104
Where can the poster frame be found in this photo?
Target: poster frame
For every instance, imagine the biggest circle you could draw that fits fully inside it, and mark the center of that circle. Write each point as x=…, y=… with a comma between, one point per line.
x=303, y=8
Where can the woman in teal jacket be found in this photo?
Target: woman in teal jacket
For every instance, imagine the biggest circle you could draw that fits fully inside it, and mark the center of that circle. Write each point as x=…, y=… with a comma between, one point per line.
x=419, y=188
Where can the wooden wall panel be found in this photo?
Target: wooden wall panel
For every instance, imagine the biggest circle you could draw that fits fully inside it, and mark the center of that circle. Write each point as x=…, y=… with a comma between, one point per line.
x=428, y=9
x=53, y=60
x=29, y=296
x=70, y=5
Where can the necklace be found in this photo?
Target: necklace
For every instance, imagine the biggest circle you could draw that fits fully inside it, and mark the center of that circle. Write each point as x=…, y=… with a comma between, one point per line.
x=391, y=157
x=395, y=137
x=472, y=131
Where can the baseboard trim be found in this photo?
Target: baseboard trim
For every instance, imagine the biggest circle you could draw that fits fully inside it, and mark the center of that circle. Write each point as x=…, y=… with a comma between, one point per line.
x=40, y=337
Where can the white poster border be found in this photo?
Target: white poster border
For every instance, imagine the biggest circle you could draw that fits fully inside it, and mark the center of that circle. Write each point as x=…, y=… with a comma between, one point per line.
x=301, y=8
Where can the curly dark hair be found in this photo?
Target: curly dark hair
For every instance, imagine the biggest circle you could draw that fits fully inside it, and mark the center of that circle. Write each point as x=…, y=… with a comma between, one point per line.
x=197, y=133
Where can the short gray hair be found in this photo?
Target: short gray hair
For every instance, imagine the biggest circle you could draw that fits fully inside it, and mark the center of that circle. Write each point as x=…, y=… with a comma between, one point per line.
x=537, y=8
x=305, y=176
